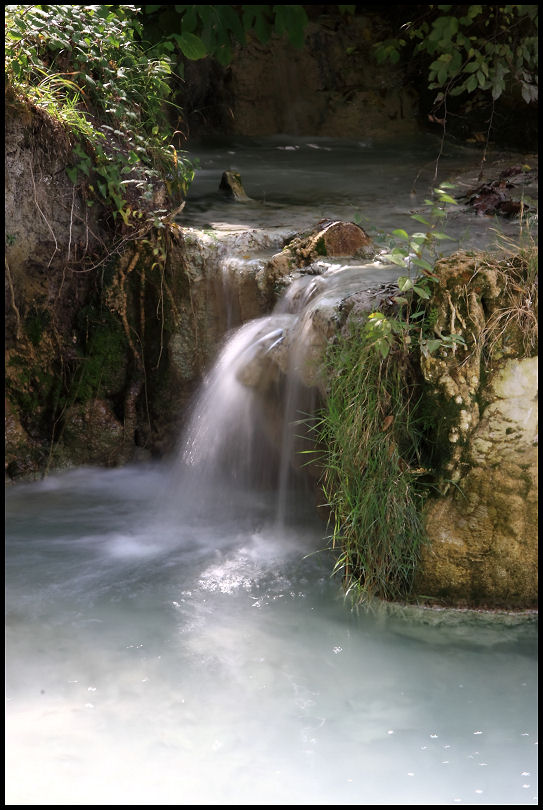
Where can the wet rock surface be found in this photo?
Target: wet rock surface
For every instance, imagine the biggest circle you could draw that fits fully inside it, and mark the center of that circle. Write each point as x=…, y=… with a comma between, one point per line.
x=232, y=187
x=327, y=239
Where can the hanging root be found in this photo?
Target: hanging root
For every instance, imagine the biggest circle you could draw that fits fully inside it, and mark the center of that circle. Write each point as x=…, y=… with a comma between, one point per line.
x=13, y=304
x=118, y=301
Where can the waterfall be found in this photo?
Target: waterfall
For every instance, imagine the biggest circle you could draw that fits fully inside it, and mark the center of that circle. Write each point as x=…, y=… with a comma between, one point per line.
x=249, y=420
x=225, y=435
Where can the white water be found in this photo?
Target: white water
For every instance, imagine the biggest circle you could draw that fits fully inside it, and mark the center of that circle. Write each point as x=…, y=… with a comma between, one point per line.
x=169, y=642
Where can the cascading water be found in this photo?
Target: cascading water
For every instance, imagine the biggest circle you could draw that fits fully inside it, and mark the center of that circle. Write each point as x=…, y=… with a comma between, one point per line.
x=249, y=419
x=171, y=641
x=225, y=438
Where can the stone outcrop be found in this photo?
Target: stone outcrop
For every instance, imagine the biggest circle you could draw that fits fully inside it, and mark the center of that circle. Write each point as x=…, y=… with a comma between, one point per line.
x=480, y=401
x=483, y=533
x=329, y=239
x=483, y=529
x=330, y=87
x=93, y=434
x=232, y=186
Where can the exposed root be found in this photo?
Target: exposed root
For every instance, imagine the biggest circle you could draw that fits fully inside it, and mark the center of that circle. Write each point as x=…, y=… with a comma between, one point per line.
x=13, y=304
x=43, y=215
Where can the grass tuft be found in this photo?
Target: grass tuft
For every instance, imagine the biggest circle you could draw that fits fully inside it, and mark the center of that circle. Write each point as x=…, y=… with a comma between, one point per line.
x=372, y=460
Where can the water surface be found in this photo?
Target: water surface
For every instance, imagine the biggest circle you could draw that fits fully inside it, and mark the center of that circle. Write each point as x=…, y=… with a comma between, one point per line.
x=185, y=655
x=296, y=181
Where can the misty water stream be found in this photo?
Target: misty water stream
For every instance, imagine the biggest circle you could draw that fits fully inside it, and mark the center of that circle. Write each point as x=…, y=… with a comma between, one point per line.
x=174, y=634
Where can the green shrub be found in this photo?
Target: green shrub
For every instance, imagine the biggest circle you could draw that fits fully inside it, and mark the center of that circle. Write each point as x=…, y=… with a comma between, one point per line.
x=86, y=66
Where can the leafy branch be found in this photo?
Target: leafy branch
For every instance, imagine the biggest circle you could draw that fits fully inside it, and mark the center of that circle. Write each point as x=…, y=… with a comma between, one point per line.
x=476, y=47
x=416, y=253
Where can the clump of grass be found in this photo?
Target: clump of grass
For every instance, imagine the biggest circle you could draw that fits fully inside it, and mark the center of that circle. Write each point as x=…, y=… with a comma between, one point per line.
x=372, y=461
x=517, y=270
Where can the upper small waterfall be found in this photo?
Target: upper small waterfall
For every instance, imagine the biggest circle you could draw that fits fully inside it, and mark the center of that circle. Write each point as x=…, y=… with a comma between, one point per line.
x=225, y=435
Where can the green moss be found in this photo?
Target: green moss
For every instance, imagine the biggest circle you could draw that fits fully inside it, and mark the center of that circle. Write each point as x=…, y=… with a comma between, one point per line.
x=33, y=387
x=103, y=357
x=36, y=322
x=437, y=415
x=320, y=247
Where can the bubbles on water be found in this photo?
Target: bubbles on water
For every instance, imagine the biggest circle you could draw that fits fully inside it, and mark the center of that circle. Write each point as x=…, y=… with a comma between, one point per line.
x=229, y=576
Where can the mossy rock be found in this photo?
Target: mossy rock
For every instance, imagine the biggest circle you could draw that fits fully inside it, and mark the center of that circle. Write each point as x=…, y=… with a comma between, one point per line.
x=93, y=434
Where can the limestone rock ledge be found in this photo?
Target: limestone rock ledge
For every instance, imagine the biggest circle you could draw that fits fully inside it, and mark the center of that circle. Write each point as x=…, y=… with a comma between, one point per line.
x=483, y=533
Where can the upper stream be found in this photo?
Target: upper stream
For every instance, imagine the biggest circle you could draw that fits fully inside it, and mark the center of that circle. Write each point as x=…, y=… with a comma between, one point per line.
x=293, y=182
x=174, y=634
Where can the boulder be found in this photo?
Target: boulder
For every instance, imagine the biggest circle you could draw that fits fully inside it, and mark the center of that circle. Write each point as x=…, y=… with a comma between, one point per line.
x=329, y=239
x=232, y=186
x=93, y=434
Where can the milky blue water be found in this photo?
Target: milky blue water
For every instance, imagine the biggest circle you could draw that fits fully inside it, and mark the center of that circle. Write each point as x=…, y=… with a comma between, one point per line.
x=191, y=655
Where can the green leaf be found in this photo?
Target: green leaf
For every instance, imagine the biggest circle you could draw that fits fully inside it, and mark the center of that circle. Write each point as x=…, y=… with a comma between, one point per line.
x=474, y=11
x=420, y=218
x=421, y=292
x=291, y=20
x=231, y=22
x=399, y=260
x=445, y=198
x=256, y=17
x=190, y=45
x=458, y=90
x=384, y=348
x=224, y=54
x=72, y=174
x=401, y=233
x=423, y=263
x=432, y=344
x=405, y=283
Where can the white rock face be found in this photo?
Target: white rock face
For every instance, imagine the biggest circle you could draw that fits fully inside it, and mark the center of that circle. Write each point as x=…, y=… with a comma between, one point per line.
x=508, y=425
x=484, y=534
